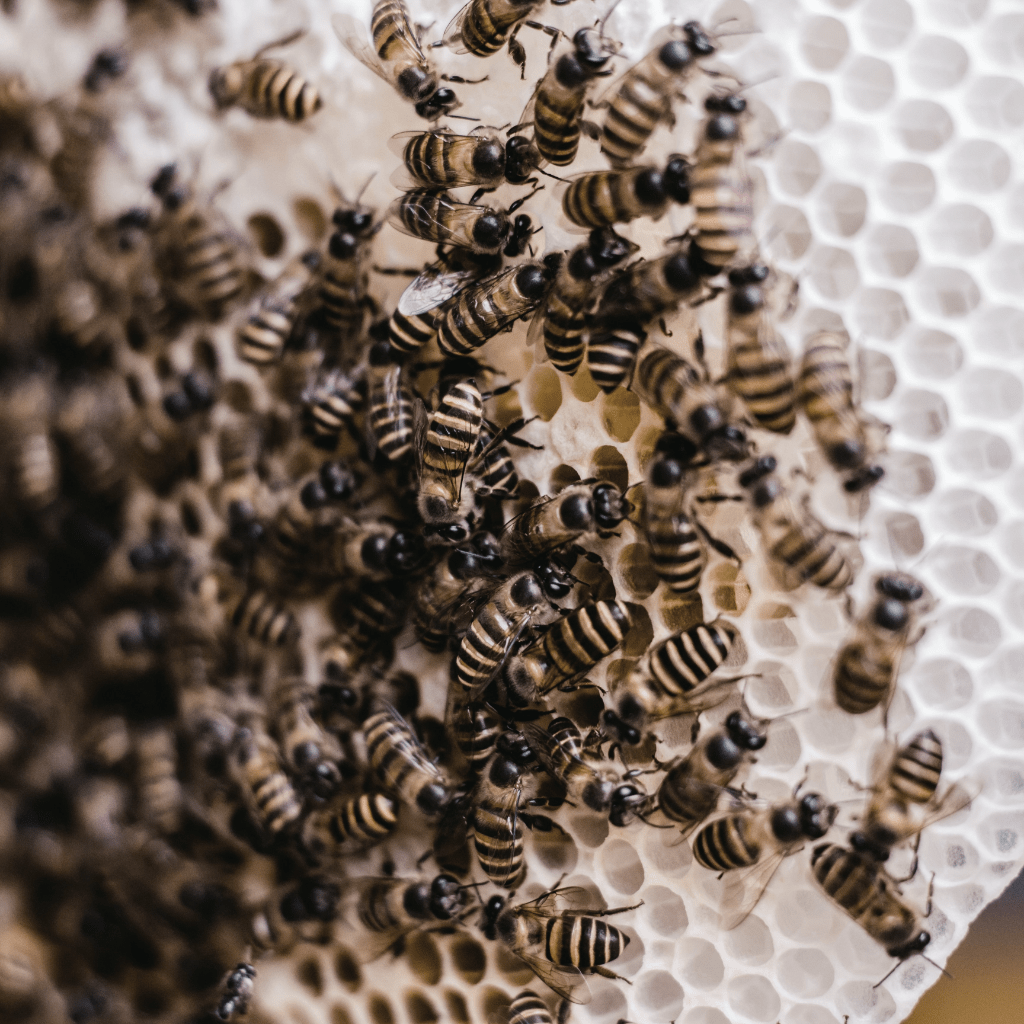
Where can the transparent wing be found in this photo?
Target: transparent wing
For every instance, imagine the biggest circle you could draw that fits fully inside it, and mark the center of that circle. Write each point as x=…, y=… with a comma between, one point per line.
x=353, y=37
x=453, y=33
x=772, y=344
x=546, y=747
x=454, y=471
x=702, y=700
x=535, y=335
x=508, y=807
x=507, y=648
x=434, y=287
x=567, y=898
x=370, y=944
x=567, y=982
x=743, y=888
x=956, y=798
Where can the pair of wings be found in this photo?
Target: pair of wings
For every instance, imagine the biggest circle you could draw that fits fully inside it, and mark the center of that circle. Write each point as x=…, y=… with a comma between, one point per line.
x=414, y=751
x=456, y=227
x=704, y=698
x=353, y=37
x=456, y=462
x=404, y=179
x=396, y=398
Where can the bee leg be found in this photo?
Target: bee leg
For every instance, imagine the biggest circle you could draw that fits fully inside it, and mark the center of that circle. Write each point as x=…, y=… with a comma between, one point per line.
x=564, y=1010
x=605, y=973
x=475, y=198
x=464, y=81
x=719, y=545
x=398, y=271
x=611, y=911
x=517, y=52
x=590, y=129
x=664, y=327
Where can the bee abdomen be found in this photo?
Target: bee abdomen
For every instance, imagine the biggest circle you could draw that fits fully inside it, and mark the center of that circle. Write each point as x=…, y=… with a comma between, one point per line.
x=529, y=1008
x=722, y=212
x=376, y=913
x=825, y=383
x=454, y=429
x=276, y=801
x=724, y=845
x=557, y=127
x=262, y=619
x=861, y=681
x=918, y=765
x=392, y=425
x=482, y=647
x=410, y=333
x=275, y=90
x=498, y=841
x=845, y=876
x=389, y=28
x=564, y=325
x=582, y=639
x=687, y=800
x=612, y=355
x=484, y=30
x=262, y=337
x=765, y=385
x=583, y=942
x=816, y=559
x=677, y=554
x=632, y=118
x=681, y=663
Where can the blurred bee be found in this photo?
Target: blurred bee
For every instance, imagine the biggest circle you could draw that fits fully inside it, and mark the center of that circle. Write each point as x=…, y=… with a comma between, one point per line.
x=556, y=109
x=396, y=56
x=675, y=676
x=488, y=307
x=128, y=642
x=354, y=824
x=332, y=402
x=474, y=728
x=591, y=506
x=199, y=256
x=559, y=749
x=803, y=548
x=825, y=394
x=373, y=550
x=692, y=786
x=339, y=288
x=528, y=1008
x=26, y=986
x=33, y=461
x=498, y=834
x=382, y=910
x=558, y=937
x=237, y=990
x=266, y=788
x=399, y=761
x=904, y=797
x=721, y=190
x=611, y=354
x=390, y=413
x=259, y=617
x=597, y=199
x=643, y=96
x=567, y=651
x=307, y=750
x=306, y=911
x=563, y=315
x=753, y=842
x=265, y=87
x=261, y=339
x=483, y=27
x=522, y=600
x=87, y=427
x=868, y=666
x=759, y=366
x=493, y=468
x=159, y=790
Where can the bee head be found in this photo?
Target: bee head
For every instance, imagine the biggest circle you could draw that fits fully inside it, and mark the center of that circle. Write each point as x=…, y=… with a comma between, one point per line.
x=649, y=187
x=337, y=480
x=863, y=479
x=533, y=280
x=619, y=722
x=521, y=159
x=597, y=794
x=743, y=733
x=875, y=846
x=677, y=178
x=441, y=102
x=745, y=300
x=555, y=581
x=721, y=128
x=916, y=945
x=667, y=472
x=320, y=898
x=890, y=614
x=405, y=552
x=582, y=264
x=356, y=220
x=707, y=420
x=675, y=55
x=417, y=84
x=626, y=801
x=698, y=39
x=522, y=229
x=608, y=247
x=816, y=815
x=447, y=897
x=680, y=274
x=225, y=85
x=610, y=506
x=729, y=103
x=493, y=921
x=432, y=798
x=514, y=747
x=764, y=488
x=899, y=586
x=434, y=508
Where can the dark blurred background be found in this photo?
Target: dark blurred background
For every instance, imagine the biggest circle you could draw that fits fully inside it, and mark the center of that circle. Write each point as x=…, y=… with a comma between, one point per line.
x=987, y=986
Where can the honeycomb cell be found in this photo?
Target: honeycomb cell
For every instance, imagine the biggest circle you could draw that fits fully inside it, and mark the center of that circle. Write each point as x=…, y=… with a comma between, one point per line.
x=829, y=730
x=933, y=354
x=863, y=1002
x=805, y=973
x=803, y=916
x=978, y=165
x=868, y=83
x=951, y=858
x=942, y=683
x=664, y=911
x=589, y=829
x=833, y=272
x=543, y=391
x=958, y=13
x=1011, y=542
x=310, y=974
x=796, y=166
x=905, y=536
x=910, y=474
x=937, y=62
x=947, y=291
x=842, y=208
x=1003, y=780
x=1002, y=722
x=922, y=125
x=921, y=415
x=960, y=229
x=494, y=1004
x=1003, y=38
x=699, y=964
x=659, y=996
x=554, y=850
x=773, y=686
x=666, y=853
x=906, y=187
x=754, y=997
x=681, y=611
x=996, y=103
x=978, y=454
x=561, y=477
x=886, y=23
x=621, y=414
x=892, y=250
x=310, y=218
x=999, y=330
x=810, y=106
x=420, y=1009
x=638, y=571
x=966, y=899
x=808, y=1013
x=346, y=970
x=973, y=632
x=1007, y=669
x=641, y=633
x=424, y=957
x=705, y=1015
x=789, y=231
x=267, y=233
x=468, y=958
x=750, y=942
x=783, y=749
x=622, y=866
x=340, y=1015
x=379, y=1009
x=1006, y=268
x=608, y=464
x=608, y=1004
x=824, y=42
x=774, y=635
x=965, y=571
x=1002, y=834
x=991, y=393
x=583, y=386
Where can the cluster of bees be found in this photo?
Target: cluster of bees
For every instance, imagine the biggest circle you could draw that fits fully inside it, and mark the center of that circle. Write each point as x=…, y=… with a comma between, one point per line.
x=170, y=730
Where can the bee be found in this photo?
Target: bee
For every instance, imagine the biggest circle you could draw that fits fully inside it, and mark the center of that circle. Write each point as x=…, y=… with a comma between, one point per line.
x=264, y=784
x=859, y=885
x=794, y=538
x=259, y=617
x=26, y=987
x=199, y=255
x=396, y=56
x=306, y=911
x=382, y=910
x=868, y=666
x=375, y=550
x=368, y=617
x=493, y=468
x=643, y=96
x=483, y=27
x=691, y=788
x=265, y=87
x=904, y=797
x=33, y=457
x=159, y=790
x=591, y=506
x=474, y=728
x=307, y=750
x=556, y=109
x=597, y=199
x=332, y=402
x=390, y=414
x=611, y=354
x=759, y=367
x=675, y=676
x=261, y=339
x=753, y=842
x=721, y=191
x=563, y=316
x=519, y=602
x=490, y=306
x=528, y=1008
x=558, y=937
x=559, y=749
x=398, y=759
x=128, y=642
x=498, y=834
x=339, y=288
x=237, y=990
x=354, y=824
x=567, y=651
x=825, y=393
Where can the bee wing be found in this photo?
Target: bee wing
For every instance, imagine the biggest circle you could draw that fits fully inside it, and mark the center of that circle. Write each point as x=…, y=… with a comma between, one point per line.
x=743, y=888
x=454, y=467
x=772, y=343
x=535, y=334
x=546, y=747
x=526, y=117
x=353, y=37
x=433, y=288
x=881, y=764
x=509, y=646
x=453, y=33
x=567, y=982
x=703, y=700
x=509, y=808
x=956, y=798
x=566, y=898
x=512, y=308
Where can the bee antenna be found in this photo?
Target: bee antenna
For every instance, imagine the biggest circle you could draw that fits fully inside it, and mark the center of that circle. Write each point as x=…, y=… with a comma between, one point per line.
x=359, y=194
x=934, y=964
x=607, y=15
x=896, y=967
x=549, y=175
x=464, y=117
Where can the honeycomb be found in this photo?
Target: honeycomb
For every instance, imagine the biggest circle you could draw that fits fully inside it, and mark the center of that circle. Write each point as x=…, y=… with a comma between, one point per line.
x=889, y=138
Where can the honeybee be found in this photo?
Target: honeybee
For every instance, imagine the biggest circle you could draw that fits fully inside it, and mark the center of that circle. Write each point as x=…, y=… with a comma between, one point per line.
x=396, y=56
x=390, y=414
x=400, y=762
x=498, y=834
x=759, y=366
x=558, y=937
x=262, y=337
x=26, y=987
x=692, y=786
x=159, y=790
x=867, y=667
x=367, y=617
x=567, y=651
x=493, y=469
x=753, y=842
x=332, y=402
x=237, y=990
x=793, y=537
x=674, y=678
x=353, y=824
x=563, y=316
x=474, y=728
x=375, y=550
x=528, y=1008
x=260, y=617
x=597, y=199
x=643, y=96
x=128, y=643
x=611, y=354
x=265, y=87
x=825, y=394
x=591, y=506
x=904, y=797
x=483, y=27
x=556, y=109
x=264, y=785
x=488, y=307
x=32, y=455
x=307, y=749
x=306, y=911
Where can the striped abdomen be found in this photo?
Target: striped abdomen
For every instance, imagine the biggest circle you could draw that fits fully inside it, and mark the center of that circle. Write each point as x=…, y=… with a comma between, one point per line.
x=825, y=393
x=809, y=550
x=760, y=372
x=676, y=550
x=37, y=479
x=359, y=821
x=340, y=292
x=210, y=267
x=391, y=415
x=272, y=795
x=611, y=356
x=686, y=799
x=565, y=322
x=638, y=107
x=483, y=647
x=529, y=1008
x=273, y=89
x=495, y=472
x=556, y=120
x=380, y=905
x=498, y=838
x=394, y=37
x=262, y=337
x=333, y=404
x=159, y=789
x=576, y=643
x=453, y=430
x=723, y=212
x=480, y=312
x=476, y=731
x=665, y=381
x=574, y=940
x=397, y=758
x=726, y=844
x=916, y=769
x=262, y=619
x=603, y=198
x=487, y=23
x=684, y=661
x=410, y=333
x=864, y=676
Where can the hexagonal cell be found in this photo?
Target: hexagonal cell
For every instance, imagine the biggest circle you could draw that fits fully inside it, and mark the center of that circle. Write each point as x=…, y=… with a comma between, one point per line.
x=494, y=1004
x=583, y=386
x=877, y=375
x=942, y=683
x=347, y=971
x=267, y=233
x=996, y=103
x=973, y=632
x=886, y=23
x=947, y=291
x=991, y=393
x=805, y=973
x=999, y=330
x=638, y=571
x=754, y=997
x=424, y=957
x=310, y=975
x=961, y=229
x=978, y=454
x=796, y=166
x=842, y=208
x=379, y=1009
x=664, y=911
x=789, y=231
x=310, y=218
x=621, y=865
x=1003, y=37
x=880, y=313
x=699, y=964
x=829, y=730
x=543, y=391
x=910, y=474
x=922, y=415
x=420, y=1009
x=705, y=1015
x=641, y=633
x=681, y=611
x=783, y=748
x=905, y=536
x=808, y=1013
x=1006, y=268
x=1002, y=722
x=562, y=476
x=607, y=463
x=824, y=42
x=936, y=62
x=339, y=1014
x=868, y=83
x=922, y=125
x=892, y=250
x=810, y=106
x=864, y=1002
x=933, y=354
x=964, y=512
x=621, y=414
x=978, y=165
x=906, y=187
x=730, y=588
x=1003, y=834
x=666, y=853
x=467, y=957
x=833, y=272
